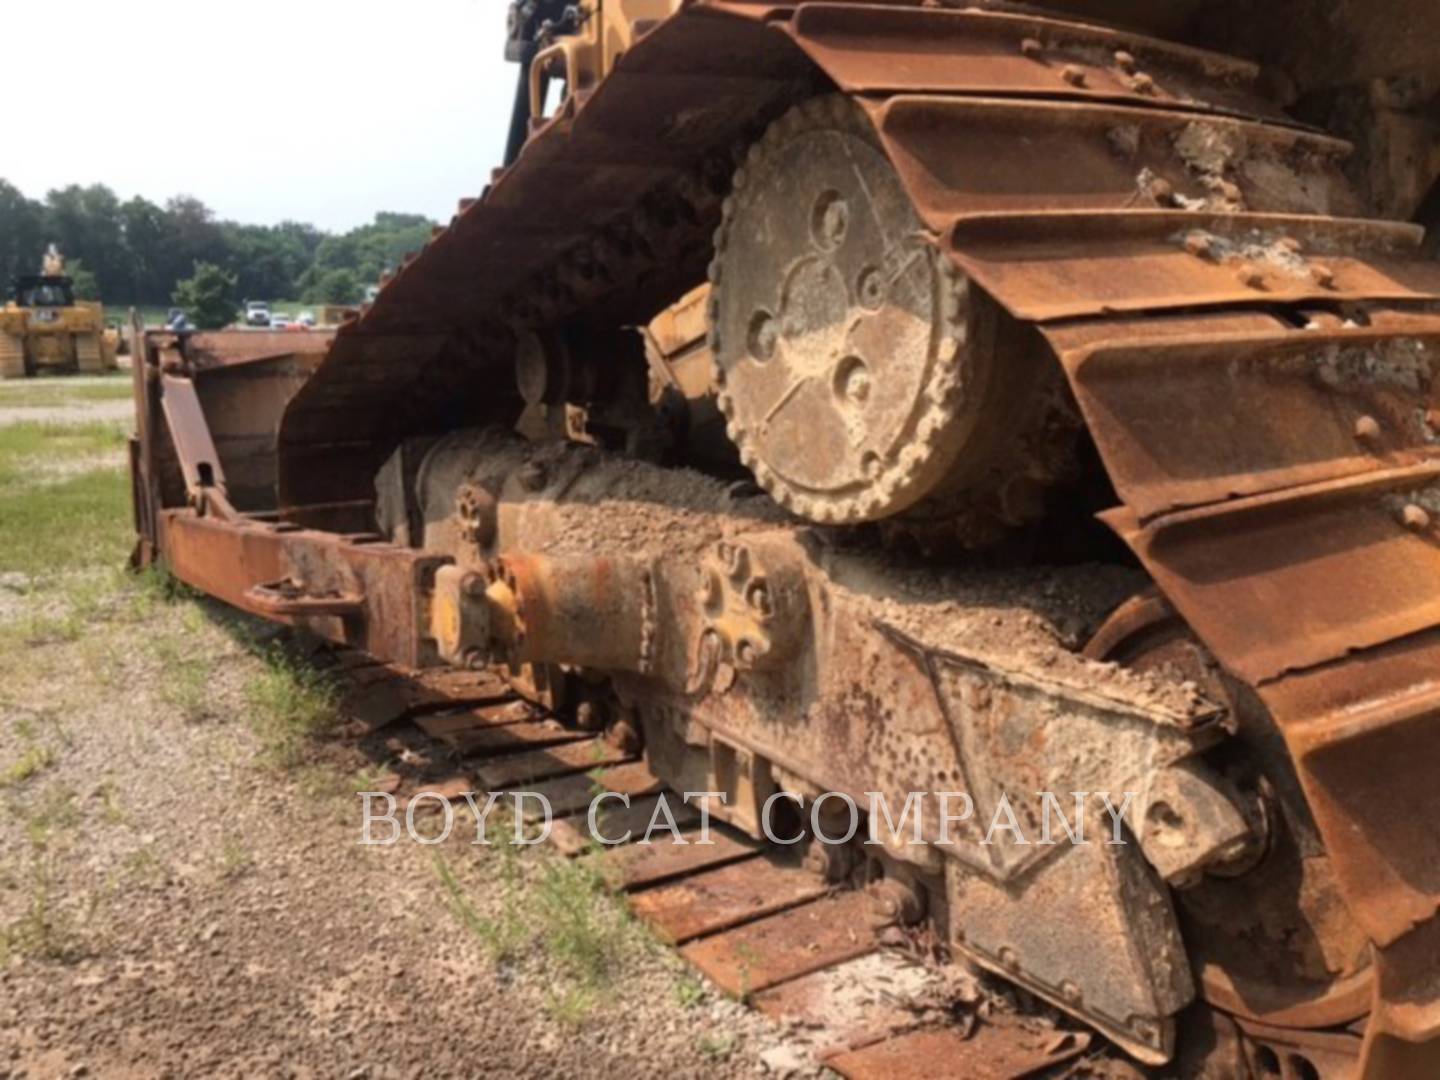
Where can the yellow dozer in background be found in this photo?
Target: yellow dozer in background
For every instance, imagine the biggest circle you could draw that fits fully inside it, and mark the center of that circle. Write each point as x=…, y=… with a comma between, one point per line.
x=43, y=328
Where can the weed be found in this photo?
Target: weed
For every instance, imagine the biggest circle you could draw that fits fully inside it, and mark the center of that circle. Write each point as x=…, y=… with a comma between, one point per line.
x=187, y=688
x=290, y=704
x=49, y=393
x=185, y=684
x=45, y=929
x=82, y=514
x=502, y=937
x=36, y=759
x=570, y=1006
x=145, y=866
x=155, y=587
x=584, y=930
x=235, y=859
x=716, y=1047
x=111, y=813
x=42, y=629
x=689, y=991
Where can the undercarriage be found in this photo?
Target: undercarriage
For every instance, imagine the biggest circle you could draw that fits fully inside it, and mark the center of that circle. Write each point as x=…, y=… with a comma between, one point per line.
x=915, y=400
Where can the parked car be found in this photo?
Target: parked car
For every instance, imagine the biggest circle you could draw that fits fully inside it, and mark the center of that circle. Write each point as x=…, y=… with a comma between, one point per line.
x=257, y=313
x=305, y=319
x=279, y=322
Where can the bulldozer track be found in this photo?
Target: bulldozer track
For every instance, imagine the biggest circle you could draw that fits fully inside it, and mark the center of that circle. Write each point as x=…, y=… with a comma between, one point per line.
x=761, y=924
x=1252, y=358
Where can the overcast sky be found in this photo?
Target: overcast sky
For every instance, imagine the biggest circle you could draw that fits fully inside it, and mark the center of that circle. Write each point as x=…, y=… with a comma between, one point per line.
x=313, y=110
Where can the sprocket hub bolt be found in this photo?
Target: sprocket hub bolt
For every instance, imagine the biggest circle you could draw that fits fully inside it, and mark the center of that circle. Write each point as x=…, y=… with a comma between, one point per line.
x=1367, y=428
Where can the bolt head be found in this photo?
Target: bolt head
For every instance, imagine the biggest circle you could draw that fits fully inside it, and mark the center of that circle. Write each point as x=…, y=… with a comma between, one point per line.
x=1323, y=276
x=532, y=476
x=1032, y=48
x=1125, y=62
x=1250, y=277
x=1415, y=518
x=1367, y=428
x=1073, y=75
x=1199, y=244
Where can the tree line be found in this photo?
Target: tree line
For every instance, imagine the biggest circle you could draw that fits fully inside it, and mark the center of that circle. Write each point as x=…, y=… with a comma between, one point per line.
x=136, y=252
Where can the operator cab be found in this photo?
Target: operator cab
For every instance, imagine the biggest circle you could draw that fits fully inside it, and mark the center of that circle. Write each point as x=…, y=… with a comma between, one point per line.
x=43, y=291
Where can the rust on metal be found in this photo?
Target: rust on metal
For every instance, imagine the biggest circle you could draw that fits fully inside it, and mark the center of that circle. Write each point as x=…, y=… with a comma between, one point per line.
x=1204, y=410
x=772, y=950
x=986, y=52
x=573, y=794
x=1292, y=579
x=993, y=1051
x=500, y=773
x=1049, y=265
x=1321, y=1055
x=512, y=736
x=614, y=821
x=636, y=866
x=716, y=900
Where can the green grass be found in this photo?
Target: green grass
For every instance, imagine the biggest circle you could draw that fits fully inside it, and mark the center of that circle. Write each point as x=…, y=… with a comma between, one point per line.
x=689, y=991
x=65, y=531
x=43, y=393
x=502, y=937
x=49, y=393
x=290, y=705
x=76, y=523
x=35, y=759
x=565, y=909
x=716, y=1047
x=188, y=675
x=23, y=443
x=45, y=929
x=584, y=929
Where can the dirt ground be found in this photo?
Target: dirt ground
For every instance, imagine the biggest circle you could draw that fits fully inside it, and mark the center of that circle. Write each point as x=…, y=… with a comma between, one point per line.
x=181, y=888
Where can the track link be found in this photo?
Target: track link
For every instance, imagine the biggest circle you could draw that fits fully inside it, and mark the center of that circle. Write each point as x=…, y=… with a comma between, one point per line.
x=760, y=923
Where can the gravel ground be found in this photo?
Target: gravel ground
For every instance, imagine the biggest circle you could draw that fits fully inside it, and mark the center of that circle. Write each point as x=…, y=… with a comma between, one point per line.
x=207, y=914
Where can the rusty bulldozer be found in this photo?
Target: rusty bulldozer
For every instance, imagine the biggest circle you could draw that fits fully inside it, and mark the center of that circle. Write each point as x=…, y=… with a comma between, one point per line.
x=922, y=397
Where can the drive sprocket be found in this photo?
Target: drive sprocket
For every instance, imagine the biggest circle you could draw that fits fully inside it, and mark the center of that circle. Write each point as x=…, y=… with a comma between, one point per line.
x=860, y=372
